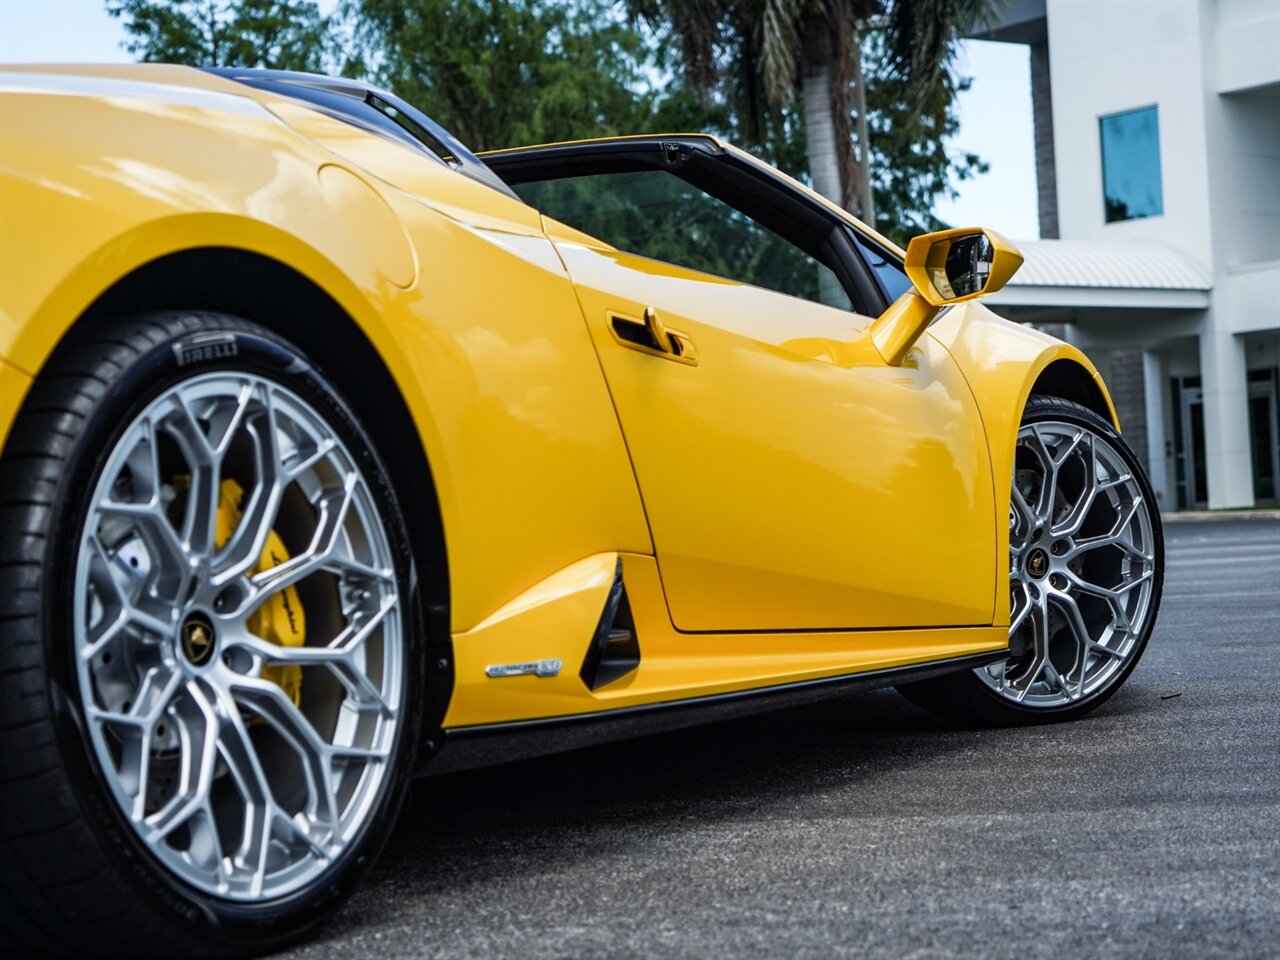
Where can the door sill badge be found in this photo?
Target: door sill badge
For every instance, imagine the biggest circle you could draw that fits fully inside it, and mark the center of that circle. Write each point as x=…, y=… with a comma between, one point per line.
x=535, y=668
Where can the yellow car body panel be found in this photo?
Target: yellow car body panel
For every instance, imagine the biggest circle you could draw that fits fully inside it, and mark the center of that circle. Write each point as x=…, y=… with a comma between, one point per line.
x=674, y=665
x=1002, y=360
x=13, y=390
x=789, y=396
x=500, y=378
x=501, y=362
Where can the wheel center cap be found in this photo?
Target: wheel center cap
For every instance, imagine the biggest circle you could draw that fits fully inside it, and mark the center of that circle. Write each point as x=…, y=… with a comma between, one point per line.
x=197, y=639
x=1038, y=563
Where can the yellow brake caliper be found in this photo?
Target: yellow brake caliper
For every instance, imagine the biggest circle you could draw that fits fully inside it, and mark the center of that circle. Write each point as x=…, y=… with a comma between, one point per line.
x=280, y=620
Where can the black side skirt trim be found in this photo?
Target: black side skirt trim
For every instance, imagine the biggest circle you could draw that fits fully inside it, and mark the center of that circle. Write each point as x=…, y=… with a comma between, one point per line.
x=483, y=745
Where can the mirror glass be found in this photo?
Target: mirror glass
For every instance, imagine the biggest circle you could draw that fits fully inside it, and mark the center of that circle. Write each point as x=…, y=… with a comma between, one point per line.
x=965, y=268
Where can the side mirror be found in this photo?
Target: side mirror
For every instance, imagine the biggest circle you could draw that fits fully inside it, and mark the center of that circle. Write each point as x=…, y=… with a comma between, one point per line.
x=947, y=267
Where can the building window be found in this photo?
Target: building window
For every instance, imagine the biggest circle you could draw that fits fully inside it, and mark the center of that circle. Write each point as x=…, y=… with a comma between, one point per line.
x=1131, y=165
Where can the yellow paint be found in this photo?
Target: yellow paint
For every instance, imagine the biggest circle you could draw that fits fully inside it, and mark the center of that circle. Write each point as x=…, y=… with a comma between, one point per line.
x=367, y=215
x=557, y=619
x=792, y=481
x=13, y=388
x=1001, y=361
x=487, y=346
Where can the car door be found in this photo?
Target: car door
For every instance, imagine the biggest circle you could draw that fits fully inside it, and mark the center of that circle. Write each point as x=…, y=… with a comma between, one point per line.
x=791, y=479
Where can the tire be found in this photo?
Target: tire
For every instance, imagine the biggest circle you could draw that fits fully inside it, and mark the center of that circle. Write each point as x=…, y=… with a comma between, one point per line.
x=182, y=774
x=1086, y=573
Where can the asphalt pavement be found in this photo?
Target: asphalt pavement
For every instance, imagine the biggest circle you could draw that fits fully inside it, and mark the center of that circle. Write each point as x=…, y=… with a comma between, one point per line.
x=866, y=827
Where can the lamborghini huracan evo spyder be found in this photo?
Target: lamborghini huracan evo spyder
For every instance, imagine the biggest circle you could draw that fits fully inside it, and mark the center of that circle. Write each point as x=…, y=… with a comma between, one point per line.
x=334, y=454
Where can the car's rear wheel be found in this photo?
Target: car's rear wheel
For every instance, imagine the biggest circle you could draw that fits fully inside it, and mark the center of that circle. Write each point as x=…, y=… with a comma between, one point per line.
x=1086, y=566
x=210, y=670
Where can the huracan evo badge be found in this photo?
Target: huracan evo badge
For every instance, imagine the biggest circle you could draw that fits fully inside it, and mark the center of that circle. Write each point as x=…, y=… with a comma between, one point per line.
x=536, y=668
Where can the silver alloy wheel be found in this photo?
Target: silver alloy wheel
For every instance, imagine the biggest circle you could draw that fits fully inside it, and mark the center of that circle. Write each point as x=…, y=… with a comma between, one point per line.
x=244, y=763
x=1081, y=567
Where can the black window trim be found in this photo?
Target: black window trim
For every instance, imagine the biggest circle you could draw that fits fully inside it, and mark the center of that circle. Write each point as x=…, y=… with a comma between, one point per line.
x=702, y=163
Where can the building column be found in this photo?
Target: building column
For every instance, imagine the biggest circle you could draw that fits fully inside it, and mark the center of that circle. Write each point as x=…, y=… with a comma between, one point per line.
x=1157, y=444
x=1226, y=418
x=1042, y=126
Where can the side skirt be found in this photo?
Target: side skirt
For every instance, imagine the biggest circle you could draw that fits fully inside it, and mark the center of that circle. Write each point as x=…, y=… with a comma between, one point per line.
x=483, y=745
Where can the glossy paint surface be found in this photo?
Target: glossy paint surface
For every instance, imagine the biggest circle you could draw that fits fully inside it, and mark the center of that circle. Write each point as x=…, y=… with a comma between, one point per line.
x=1001, y=361
x=550, y=620
x=500, y=377
x=800, y=497
x=792, y=480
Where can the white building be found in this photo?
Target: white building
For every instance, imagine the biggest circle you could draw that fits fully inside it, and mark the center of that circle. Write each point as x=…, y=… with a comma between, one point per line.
x=1157, y=126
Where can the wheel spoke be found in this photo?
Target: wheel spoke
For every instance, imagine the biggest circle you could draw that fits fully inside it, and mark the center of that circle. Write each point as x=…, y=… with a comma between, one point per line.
x=244, y=548
x=120, y=610
x=198, y=733
x=1075, y=517
x=1083, y=642
x=334, y=506
x=340, y=657
x=1019, y=618
x=245, y=767
x=204, y=491
x=1022, y=683
x=271, y=703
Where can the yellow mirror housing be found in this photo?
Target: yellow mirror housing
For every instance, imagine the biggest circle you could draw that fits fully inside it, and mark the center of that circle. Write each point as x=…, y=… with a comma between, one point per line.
x=950, y=266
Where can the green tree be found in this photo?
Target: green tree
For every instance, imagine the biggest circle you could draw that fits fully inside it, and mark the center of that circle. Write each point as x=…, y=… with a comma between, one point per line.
x=511, y=72
x=756, y=54
x=278, y=34
x=502, y=73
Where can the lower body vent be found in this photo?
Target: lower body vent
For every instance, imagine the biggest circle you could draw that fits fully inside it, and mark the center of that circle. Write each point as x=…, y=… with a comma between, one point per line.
x=615, y=649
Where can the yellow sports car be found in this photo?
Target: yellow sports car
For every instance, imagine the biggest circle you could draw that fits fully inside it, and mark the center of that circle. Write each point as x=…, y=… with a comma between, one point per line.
x=334, y=454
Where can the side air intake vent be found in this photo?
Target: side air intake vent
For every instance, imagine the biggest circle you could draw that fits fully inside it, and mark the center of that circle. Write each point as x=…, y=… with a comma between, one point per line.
x=615, y=650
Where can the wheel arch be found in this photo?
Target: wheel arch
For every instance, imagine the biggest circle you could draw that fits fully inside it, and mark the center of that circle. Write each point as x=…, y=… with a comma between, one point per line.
x=281, y=299
x=1069, y=379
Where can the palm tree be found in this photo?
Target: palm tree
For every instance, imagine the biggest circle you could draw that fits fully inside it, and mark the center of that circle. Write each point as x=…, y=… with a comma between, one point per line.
x=768, y=48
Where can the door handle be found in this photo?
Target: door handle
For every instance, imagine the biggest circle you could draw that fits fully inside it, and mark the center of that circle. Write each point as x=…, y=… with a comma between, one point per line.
x=651, y=336
x=657, y=331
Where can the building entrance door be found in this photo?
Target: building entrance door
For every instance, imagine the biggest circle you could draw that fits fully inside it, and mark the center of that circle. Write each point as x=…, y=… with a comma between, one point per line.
x=1191, y=474
x=1264, y=437
x=1190, y=471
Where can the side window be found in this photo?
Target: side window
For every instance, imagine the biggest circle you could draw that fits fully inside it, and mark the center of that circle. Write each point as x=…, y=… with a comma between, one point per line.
x=655, y=214
x=887, y=269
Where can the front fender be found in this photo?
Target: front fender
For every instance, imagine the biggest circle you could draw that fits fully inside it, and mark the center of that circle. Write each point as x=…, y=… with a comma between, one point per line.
x=1002, y=361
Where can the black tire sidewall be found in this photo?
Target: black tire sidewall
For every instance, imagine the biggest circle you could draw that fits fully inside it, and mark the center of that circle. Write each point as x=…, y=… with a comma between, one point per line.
x=216, y=922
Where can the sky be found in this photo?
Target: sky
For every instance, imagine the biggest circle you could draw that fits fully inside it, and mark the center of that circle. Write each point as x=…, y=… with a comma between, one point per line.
x=995, y=113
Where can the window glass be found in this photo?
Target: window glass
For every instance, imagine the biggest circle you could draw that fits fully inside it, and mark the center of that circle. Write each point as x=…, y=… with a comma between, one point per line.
x=887, y=269
x=656, y=214
x=1131, y=165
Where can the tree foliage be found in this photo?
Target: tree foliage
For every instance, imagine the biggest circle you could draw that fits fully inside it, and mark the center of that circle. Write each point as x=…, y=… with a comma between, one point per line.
x=277, y=34
x=888, y=63
x=502, y=73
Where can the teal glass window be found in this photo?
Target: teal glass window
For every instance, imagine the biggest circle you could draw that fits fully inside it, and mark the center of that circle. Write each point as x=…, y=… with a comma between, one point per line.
x=1131, y=165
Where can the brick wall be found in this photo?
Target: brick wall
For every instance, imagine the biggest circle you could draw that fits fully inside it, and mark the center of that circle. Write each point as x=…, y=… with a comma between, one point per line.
x=1042, y=118
x=1122, y=369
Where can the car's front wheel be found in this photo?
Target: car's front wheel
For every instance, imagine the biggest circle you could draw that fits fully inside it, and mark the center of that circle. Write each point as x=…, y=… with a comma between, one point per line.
x=208, y=673
x=1086, y=566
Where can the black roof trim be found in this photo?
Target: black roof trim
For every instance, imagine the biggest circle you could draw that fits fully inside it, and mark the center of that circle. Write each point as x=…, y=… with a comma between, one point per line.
x=353, y=102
